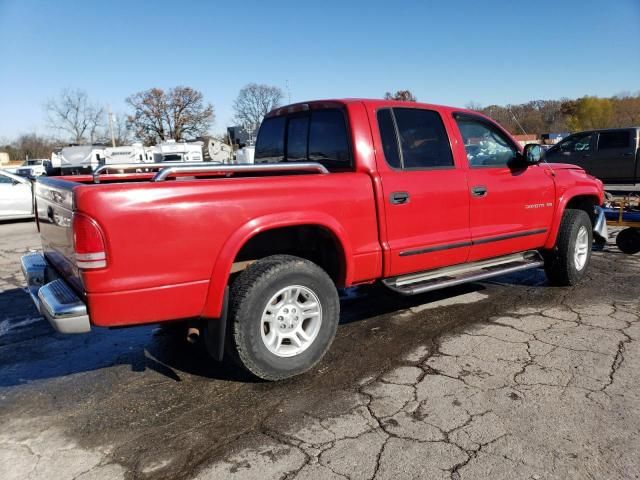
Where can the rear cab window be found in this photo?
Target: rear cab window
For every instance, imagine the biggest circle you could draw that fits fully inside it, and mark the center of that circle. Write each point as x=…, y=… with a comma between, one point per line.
x=414, y=139
x=315, y=136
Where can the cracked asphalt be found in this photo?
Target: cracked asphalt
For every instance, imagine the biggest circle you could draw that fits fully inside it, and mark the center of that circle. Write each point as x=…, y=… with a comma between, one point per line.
x=503, y=379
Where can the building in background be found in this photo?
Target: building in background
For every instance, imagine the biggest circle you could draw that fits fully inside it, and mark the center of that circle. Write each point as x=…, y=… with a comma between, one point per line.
x=524, y=139
x=553, y=138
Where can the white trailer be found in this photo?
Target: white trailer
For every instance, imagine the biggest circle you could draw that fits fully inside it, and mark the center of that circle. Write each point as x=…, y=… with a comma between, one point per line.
x=135, y=153
x=216, y=151
x=172, y=151
x=76, y=159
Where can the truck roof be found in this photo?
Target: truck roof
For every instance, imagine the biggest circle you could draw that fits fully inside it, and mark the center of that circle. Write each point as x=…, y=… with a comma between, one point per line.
x=370, y=102
x=618, y=129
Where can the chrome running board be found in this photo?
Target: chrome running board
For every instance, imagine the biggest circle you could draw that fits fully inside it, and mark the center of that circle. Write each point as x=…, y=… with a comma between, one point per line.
x=467, y=272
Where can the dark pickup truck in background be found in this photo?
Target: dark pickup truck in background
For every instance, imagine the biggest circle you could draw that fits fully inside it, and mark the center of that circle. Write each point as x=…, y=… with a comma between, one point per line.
x=612, y=155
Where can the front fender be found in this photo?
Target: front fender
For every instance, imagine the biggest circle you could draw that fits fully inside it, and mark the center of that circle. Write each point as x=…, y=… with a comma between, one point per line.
x=230, y=249
x=590, y=191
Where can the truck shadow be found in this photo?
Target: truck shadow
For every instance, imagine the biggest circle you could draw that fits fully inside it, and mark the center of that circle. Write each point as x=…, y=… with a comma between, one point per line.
x=31, y=350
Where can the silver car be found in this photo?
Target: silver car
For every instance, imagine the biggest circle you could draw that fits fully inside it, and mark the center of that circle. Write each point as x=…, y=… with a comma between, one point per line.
x=16, y=197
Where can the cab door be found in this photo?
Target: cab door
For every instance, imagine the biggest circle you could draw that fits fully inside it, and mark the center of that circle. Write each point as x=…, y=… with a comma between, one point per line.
x=511, y=205
x=426, y=204
x=615, y=157
x=577, y=149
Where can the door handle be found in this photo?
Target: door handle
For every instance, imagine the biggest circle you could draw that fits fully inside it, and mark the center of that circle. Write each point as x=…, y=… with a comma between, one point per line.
x=479, y=191
x=399, y=198
x=628, y=154
x=586, y=155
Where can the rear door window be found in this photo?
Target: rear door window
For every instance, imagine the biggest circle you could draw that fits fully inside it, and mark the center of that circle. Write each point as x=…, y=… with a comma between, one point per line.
x=389, y=138
x=614, y=140
x=423, y=139
x=414, y=139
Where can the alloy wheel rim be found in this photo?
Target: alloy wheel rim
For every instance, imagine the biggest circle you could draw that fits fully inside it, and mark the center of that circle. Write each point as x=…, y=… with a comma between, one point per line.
x=581, y=249
x=291, y=321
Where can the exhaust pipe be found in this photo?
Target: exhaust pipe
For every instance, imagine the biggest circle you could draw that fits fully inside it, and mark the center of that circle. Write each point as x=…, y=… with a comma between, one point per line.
x=193, y=332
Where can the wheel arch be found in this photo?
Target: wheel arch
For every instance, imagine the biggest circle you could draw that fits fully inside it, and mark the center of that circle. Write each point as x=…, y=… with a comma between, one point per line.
x=247, y=239
x=579, y=199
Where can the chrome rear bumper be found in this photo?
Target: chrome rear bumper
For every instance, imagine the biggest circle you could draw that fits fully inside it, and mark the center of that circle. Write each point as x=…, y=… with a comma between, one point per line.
x=53, y=298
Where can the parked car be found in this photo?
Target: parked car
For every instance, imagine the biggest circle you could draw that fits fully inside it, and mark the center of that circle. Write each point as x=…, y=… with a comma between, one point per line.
x=611, y=155
x=16, y=197
x=33, y=167
x=342, y=193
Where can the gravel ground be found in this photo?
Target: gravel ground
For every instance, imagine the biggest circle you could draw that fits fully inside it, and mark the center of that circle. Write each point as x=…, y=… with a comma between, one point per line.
x=503, y=379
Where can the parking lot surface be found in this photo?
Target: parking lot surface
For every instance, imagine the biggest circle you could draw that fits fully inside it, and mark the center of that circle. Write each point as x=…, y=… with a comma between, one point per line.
x=502, y=379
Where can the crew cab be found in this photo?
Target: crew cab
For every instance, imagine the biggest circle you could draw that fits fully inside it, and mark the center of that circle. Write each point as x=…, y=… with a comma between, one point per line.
x=612, y=155
x=342, y=193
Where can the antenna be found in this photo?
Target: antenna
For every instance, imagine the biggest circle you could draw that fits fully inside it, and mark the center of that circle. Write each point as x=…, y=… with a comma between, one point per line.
x=516, y=120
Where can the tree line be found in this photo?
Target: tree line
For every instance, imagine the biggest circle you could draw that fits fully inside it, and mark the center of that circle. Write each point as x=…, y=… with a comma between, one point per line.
x=155, y=115
x=181, y=113
x=565, y=115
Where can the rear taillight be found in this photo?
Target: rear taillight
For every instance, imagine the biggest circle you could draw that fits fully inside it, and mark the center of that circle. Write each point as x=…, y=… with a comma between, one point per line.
x=88, y=243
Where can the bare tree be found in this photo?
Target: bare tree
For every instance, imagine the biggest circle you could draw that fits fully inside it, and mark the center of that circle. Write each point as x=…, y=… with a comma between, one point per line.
x=401, y=95
x=29, y=145
x=75, y=115
x=179, y=114
x=32, y=145
x=254, y=102
x=472, y=105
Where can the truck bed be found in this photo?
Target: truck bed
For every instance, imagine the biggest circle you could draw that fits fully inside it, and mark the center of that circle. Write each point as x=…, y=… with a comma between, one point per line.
x=168, y=241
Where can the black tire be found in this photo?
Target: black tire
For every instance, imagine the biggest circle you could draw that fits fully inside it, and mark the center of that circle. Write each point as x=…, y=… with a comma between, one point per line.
x=628, y=240
x=560, y=265
x=249, y=296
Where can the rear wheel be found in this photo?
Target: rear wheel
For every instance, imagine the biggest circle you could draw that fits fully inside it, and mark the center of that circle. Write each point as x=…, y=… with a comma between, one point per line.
x=283, y=316
x=628, y=240
x=567, y=263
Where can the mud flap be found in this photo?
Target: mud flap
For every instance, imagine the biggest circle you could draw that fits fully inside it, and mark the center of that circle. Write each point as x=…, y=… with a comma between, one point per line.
x=215, y=331
x=600, y=232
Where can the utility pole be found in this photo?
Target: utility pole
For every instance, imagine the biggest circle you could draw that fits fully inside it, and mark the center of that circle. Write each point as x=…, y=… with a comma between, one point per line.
x=286, y=82
x=113, y=138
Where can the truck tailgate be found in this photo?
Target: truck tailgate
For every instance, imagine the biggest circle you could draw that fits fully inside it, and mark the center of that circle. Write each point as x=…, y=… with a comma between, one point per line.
x=54, y=210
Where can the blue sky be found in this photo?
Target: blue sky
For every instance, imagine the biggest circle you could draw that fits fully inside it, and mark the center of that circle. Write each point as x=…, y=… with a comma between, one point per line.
x=449, y=52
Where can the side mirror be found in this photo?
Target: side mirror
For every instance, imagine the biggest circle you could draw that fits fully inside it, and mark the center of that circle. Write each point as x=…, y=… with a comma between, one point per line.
x=532, y=153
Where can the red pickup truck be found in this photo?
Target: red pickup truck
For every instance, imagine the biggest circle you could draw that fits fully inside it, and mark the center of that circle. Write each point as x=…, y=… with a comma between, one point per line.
x=342, y=193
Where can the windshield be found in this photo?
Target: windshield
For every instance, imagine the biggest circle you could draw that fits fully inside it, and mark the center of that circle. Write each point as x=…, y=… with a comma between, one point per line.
x=27, y=163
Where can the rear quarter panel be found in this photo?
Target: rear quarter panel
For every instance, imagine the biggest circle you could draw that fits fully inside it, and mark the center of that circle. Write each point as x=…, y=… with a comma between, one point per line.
x=170, y=245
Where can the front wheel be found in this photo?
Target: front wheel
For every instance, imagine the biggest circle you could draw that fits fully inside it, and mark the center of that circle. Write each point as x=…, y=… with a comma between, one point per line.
x=283, y=315
x=567, y=263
